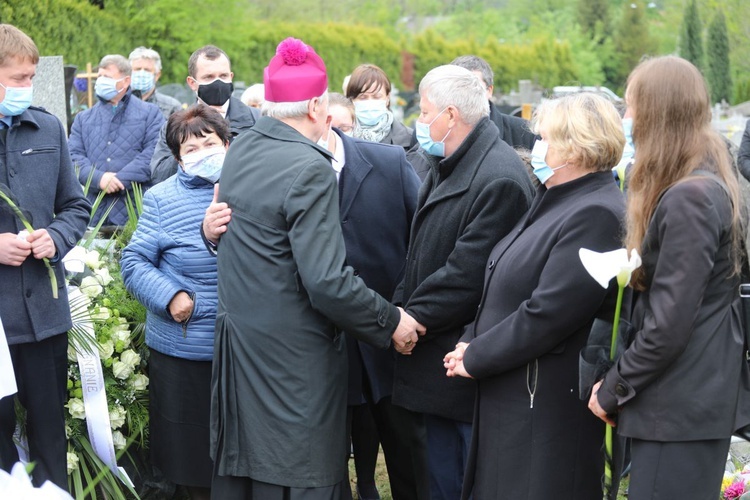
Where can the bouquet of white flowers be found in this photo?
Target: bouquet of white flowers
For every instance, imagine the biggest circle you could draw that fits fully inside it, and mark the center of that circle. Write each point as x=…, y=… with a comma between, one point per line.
x=107, y=322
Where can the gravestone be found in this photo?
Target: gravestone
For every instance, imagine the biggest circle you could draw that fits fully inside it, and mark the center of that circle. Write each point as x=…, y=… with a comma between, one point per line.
x=49, y=87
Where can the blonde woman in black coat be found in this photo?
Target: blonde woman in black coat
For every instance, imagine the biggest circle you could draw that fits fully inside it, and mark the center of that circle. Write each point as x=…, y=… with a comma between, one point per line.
x=675, y=389
x=533, y=438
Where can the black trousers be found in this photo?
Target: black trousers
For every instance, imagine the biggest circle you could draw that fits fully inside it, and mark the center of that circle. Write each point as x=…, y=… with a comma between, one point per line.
x=41, y=370
x=404, y=440
x=685, y=469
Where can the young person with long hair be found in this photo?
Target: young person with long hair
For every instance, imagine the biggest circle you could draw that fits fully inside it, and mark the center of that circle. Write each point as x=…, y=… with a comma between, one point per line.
x=674, y=391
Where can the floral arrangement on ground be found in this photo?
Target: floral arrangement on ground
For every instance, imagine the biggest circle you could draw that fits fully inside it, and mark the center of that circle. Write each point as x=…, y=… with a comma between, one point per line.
x=105, y=308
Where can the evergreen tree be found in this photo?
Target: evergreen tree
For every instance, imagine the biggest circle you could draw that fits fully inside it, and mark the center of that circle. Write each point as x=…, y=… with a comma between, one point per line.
x=593, y=16
x=717, y=51
x=632, y=40
x=691, y=36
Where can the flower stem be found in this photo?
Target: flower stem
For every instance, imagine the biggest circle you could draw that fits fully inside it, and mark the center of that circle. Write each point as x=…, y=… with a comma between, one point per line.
x=30, y=229
x=616, y=323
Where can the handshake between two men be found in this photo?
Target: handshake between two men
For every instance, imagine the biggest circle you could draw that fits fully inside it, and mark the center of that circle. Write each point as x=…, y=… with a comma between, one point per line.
x=218, y=215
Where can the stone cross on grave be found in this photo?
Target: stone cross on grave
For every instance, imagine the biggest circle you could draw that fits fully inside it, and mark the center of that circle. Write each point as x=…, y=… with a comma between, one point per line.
x=89, y=75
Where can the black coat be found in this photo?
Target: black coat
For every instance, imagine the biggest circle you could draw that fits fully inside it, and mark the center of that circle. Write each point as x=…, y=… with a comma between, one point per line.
x=466, y=205
x=743, y=157
x=513, y=130
x=536, y=312
x=400, y=135
x=240, y=119
x=679, y=379
x=378, y=198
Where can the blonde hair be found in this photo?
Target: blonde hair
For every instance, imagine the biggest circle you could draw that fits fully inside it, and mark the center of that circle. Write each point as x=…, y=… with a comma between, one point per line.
x=673, y=137
x=16, y=43
x=584, y=126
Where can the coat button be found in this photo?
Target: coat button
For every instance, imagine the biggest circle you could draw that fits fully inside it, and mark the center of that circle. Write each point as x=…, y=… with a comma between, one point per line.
x=28, y=293
x=621, y=390
x=492, y=264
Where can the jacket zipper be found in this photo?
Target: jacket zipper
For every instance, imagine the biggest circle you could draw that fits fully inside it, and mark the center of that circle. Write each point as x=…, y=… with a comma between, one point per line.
x=532, y=376
x=187, y=320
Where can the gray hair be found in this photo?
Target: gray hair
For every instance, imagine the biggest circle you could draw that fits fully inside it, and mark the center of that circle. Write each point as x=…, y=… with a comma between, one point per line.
x=452, y=85
x=144, y=53
x=476, y=63
x=118, y=61
x=254, y=94
x=284, y=110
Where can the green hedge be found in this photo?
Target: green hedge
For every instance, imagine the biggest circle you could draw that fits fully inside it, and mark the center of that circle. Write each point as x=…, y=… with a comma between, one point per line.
x=82, y=33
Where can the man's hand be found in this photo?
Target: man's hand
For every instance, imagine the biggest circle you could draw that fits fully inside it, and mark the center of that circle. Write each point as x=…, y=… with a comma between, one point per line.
x=407, y=333
x=181, y=306
x=110, y=183
x=13, y=251
x=42, y=244
x=596, y=409
x=217, y=217
x=454, y=362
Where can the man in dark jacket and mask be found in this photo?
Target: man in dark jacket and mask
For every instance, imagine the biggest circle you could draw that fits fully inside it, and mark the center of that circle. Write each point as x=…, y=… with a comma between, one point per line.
x=474, y=193
x=210, y=77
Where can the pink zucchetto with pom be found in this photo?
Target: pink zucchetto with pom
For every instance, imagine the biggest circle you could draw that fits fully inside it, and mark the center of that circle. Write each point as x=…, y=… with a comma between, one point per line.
x=295, y=73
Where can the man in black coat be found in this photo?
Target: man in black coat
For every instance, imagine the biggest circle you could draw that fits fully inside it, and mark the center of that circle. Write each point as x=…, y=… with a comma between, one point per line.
x=378, y=198
x=210, y=77
x=743, y=158
x=470, y=199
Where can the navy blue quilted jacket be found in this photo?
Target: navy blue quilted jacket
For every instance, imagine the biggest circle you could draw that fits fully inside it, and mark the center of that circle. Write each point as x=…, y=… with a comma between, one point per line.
x=167, y=255
x=115, y=139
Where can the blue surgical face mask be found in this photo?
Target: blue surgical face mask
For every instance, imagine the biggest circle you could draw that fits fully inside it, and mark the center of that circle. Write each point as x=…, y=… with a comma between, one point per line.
x=205, y=163
x=538, y=160
x=16, y=100
x=142, y=80
x=425, y=140
x=369, y=112
x=628, y=151
x=106, y=87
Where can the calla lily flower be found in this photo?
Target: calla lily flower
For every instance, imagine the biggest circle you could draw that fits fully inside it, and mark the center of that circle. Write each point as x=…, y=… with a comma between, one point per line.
x=605, y=266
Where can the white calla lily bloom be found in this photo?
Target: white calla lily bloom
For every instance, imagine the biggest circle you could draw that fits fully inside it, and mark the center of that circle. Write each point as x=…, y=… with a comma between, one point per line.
x=605, y=266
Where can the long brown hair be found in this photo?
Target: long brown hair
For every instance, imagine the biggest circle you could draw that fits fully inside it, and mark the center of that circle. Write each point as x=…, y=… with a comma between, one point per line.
x=673, y=137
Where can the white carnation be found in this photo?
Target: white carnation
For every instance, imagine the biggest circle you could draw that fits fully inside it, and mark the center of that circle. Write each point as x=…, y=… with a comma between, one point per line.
x=106, y=350
x=104, y=277
x=101, y=314
x=93, y=259
x=139, y=382
x=90, y=287
x=130, y=357
x=76, y=409
x=122, y=370
x=119, y=440
x=116, y=417
x=72, y=462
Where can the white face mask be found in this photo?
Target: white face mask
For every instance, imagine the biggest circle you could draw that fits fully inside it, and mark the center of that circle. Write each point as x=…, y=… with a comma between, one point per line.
x=369, y=112
x=205, y=163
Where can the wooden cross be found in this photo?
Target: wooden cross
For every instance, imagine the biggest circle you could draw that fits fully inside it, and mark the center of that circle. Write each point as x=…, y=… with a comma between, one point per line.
x=89, y=75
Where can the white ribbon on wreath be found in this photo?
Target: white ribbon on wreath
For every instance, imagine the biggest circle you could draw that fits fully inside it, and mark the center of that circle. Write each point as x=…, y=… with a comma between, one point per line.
x=95, y=398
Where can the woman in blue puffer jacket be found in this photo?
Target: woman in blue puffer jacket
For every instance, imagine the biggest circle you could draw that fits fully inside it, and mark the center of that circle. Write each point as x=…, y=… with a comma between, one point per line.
x=168, y=269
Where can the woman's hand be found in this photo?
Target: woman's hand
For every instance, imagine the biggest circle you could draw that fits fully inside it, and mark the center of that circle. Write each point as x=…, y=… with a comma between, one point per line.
x=181, y=306
x=454, y=362
x=596, y=409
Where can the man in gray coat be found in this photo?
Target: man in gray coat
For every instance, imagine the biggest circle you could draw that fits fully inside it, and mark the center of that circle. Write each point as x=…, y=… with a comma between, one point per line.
x=285, y=296
x=35, y=167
